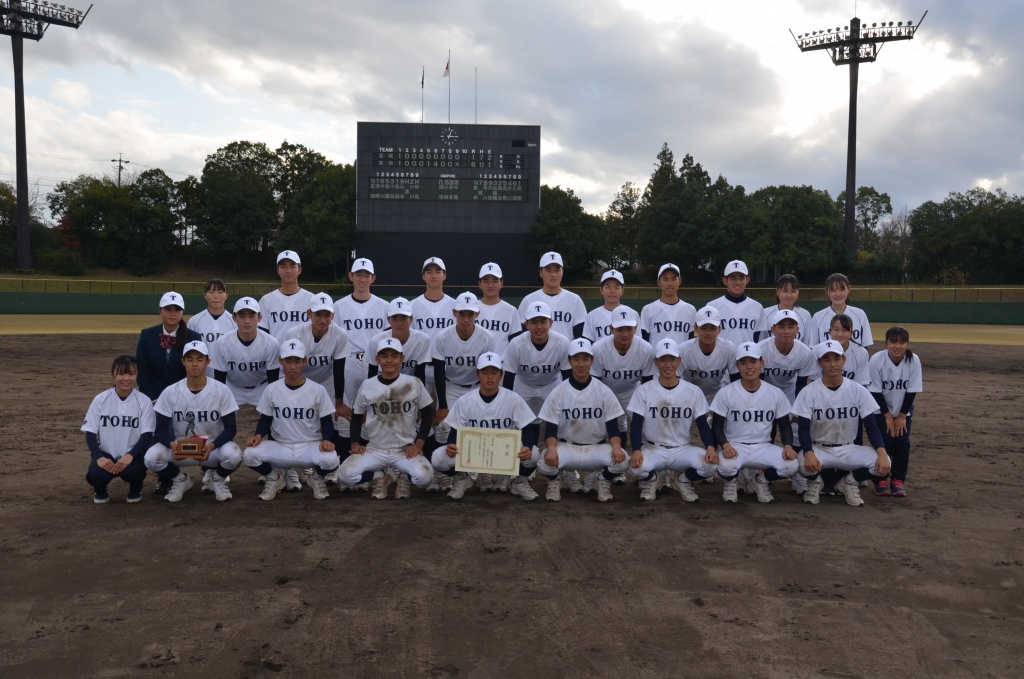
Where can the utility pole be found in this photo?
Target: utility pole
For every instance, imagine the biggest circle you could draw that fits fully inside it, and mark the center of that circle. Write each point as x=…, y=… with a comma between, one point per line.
x=852, y=46
x=28, y=19
x=120, y=166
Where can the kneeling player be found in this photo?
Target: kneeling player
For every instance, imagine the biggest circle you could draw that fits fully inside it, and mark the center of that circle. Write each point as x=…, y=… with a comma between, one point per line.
x=742, y=417
x=829, y=410
x=299, y=414
x=490, y=406
x=385, y=432
x=581, y=416
x=195, y=406
x=662, y=412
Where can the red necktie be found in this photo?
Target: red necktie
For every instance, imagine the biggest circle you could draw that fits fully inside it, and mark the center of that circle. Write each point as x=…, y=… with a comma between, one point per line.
x=166, y=341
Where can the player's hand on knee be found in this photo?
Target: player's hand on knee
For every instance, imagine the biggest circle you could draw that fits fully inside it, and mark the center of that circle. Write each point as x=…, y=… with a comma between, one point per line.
x=414, y=449
x=551, y=457
x=525, y=454
x=357, y=448
x=711, y=456
x=789, y=453
x=106, y=464
x=326, y=446
x=342, y=410
x=636, y=459
x=253, y=441
x=728, y=452
x=900, y=425
x=452, y=450
x=883, y=464
x=618, y=455
x=811, y=462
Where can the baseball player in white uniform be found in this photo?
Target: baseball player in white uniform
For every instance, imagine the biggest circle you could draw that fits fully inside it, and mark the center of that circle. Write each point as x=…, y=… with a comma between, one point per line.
x=662, y=412
x=298, y=414
x=788, y=364
x=829, y=411
x=496, y=315
x=246, y=360
x=536, y=361
x=195, y=407
x=432, y=311
x=787, y=291
x=493, y=407
x=415, y=344
x=568, y=314
x=326, y=349
x=743, y=413
x=708, y=361
x=581, y=418
x=286, y=307
x=118, y=427
x=837, y=287
x=856, y=366
x=213, y=321
x=741, y=315
x=385, y=432
x=669, y=316
x=598, y=323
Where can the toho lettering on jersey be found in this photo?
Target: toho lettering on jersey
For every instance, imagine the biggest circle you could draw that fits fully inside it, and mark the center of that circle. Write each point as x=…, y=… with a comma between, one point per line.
x=595, y=413
x=751, y=416
x=197, y=416
x=246, y=366
x=291, y=317
x=655, y=412
x=841, y=413
x=361, y=324
x=495, y=423
x=119, y=421
x=680, y=328
x=495, y=325
x=295, y=413
x=693, y=374
x=391, y=407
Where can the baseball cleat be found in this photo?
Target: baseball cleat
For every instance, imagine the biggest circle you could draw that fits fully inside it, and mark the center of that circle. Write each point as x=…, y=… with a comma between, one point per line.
x=331, y=478
x=485, y=482
x=380, y=484
x=761, y=488
x=729, y=490
x=220, y=488
x=319, y=486
x=207, y=488
x=685, y=488
x=181, y=483
x=850, y=491
x=649, y=490
x=619, y=480
x=403, y=487
x=521, y=487
x=272, y=485
x=571, y=481
x=813, y=492
x=604, y=489
x=460, y=486
x=292, y=483
x=798, y=484
x=502, y=483
x=554, y=492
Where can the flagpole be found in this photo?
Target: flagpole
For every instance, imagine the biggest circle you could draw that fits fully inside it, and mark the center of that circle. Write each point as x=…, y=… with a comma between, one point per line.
x=476, y=83
x=423, y=79
x=449, y=86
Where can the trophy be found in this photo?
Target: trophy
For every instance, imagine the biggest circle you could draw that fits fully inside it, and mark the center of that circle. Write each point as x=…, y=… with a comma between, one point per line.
x=191, y=447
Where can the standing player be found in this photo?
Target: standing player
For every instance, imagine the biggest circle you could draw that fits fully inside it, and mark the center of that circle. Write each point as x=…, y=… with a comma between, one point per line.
x=432, y=311
x=856, y=366
x=830, y=410
x=158, y=352
x=118, y=427
x=744, y=413
x=246, y=360
x=491, y=406
x=568, y=314
x=298, y=415
x=661, y=413
x=895, y=382
x=415, y=344
x=326, y=350
x=667, y=317
x=213, y=321
x=741, y=315
x=788, y=364
x=385, y=431
x=598, y=323
x=787, y=291
x=195, y=406
x=496, y=315
x=708, y=361
x=286, y=307
x=581, y=427
x=837, y=287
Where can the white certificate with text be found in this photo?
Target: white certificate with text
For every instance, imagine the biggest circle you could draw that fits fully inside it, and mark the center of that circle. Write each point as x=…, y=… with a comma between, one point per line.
x=488, y=451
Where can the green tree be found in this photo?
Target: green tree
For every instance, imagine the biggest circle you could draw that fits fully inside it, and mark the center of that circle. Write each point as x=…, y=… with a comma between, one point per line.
x=622, y=222
x=870, y=208
x=562, y=225
x=799, y=228
x=321, y=220
x=296, y=168
x=664, y=174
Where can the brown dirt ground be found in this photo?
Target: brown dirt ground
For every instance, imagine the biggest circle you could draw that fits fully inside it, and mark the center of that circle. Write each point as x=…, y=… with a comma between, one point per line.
x=927, y=586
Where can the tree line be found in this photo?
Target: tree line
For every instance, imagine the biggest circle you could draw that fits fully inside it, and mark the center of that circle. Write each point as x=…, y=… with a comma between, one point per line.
x=251, y=201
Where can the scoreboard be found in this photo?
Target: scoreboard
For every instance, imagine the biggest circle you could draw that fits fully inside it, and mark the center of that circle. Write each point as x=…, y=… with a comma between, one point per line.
x=448, y=190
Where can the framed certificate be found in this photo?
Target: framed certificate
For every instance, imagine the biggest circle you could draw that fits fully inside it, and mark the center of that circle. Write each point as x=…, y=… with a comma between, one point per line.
x=488, y=451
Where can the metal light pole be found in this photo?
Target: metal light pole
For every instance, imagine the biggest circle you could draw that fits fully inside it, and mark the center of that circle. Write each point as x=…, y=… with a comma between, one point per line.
x=28, y=19
x=853, y=45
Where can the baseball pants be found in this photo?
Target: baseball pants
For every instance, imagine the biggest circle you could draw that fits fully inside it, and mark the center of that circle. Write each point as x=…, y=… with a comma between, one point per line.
x=848, y=457
x=590, y=458
x=757, y=456
x=418, y=468
x=279, y=455
x=678, y=459
x=228, y=456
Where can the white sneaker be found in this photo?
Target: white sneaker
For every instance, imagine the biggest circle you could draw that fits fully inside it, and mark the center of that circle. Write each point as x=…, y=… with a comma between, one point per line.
x=521, y=487
x=813, y=491
x=503, y=483
x=435, y=484
x=664, y=480
x=743, y=482
x=604, y=489
x=798, y=484
x=761, y=488
x=554, y=493
x=729, y=490
x=179, y=485
x=460, y=486
x=849, y=488
x=485, y=482
x=571, y=481
x=207, y=475
x=620, y=480
x=319, y=486
x=331, y=478
x=685, y=488
x=649, y=490
x=219, y=487
x=291, y=480
x=445, y=482
x=272, y=485
x=589, y=479
x=403, y=487
x=363, y=487
x=380, y=484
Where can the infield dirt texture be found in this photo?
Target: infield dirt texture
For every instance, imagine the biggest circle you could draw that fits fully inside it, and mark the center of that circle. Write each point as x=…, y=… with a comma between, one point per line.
x=927, y=586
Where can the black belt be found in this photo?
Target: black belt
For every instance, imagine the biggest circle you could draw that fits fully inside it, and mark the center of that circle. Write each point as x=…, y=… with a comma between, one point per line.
x=662, y=445
x=832, y=445
x=574, y=443
x=759, y=443
x=464, y=386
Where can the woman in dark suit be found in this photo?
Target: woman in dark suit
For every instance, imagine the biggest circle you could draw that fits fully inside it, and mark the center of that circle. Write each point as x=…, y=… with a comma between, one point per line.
x=159, y=350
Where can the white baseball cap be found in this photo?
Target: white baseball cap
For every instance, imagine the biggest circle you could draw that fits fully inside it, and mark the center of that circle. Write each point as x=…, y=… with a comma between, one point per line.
x=707, y=315
x=612, y=273
x=550, y=258
x=389, y=343
x=321, y=302
x=623, y=317
x=243, y=303
x=666, y=347
x=196, y=345
x=667, y=267
x=293, y=348
x=490, y=269
x=784, y=314
x=489, y=359
x=828, y=347
x=436, y=261
x=362, y=264
x=736, y=266
x=467, y=301
x=748, y=349
x=581, y=346
x=538, y=310
x=399, y=306
x=289, y=254
x=172, y=299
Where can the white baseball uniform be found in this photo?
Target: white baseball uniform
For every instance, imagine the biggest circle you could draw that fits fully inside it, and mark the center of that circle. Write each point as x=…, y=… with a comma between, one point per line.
x=709, y=372
x=537, y=371
x=581, y=416
x=246, y=365
x=119, y=424
x=416, y=350
x=390, y=409
x=502, y=320
x=295, y=428
x=821, y=322
x=659, y=320
x=748, y=428
x=459, y=358
x=598, y=324
x=782, y=370
x=431, y=317
x=207, y=407
x=856, y=366
x=622, y=372
x=567, y=310
x=805, y=331
x=283, y=312
x=506, y=410
x=321, y=353
x=894, y=381
x=741, y=320
x=361, y=321
x=211, y=329
x=835, y=416
x=668, y=415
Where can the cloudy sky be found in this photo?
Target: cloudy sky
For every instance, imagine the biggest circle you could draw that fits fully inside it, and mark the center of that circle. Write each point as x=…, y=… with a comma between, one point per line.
x=168, y=82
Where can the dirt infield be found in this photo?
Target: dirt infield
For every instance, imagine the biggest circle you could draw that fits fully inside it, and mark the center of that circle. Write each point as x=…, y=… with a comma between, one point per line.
x=927, y=586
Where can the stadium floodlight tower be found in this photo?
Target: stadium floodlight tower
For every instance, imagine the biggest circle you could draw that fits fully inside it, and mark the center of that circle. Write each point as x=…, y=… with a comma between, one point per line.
x=28, y=19
x=853, y=45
